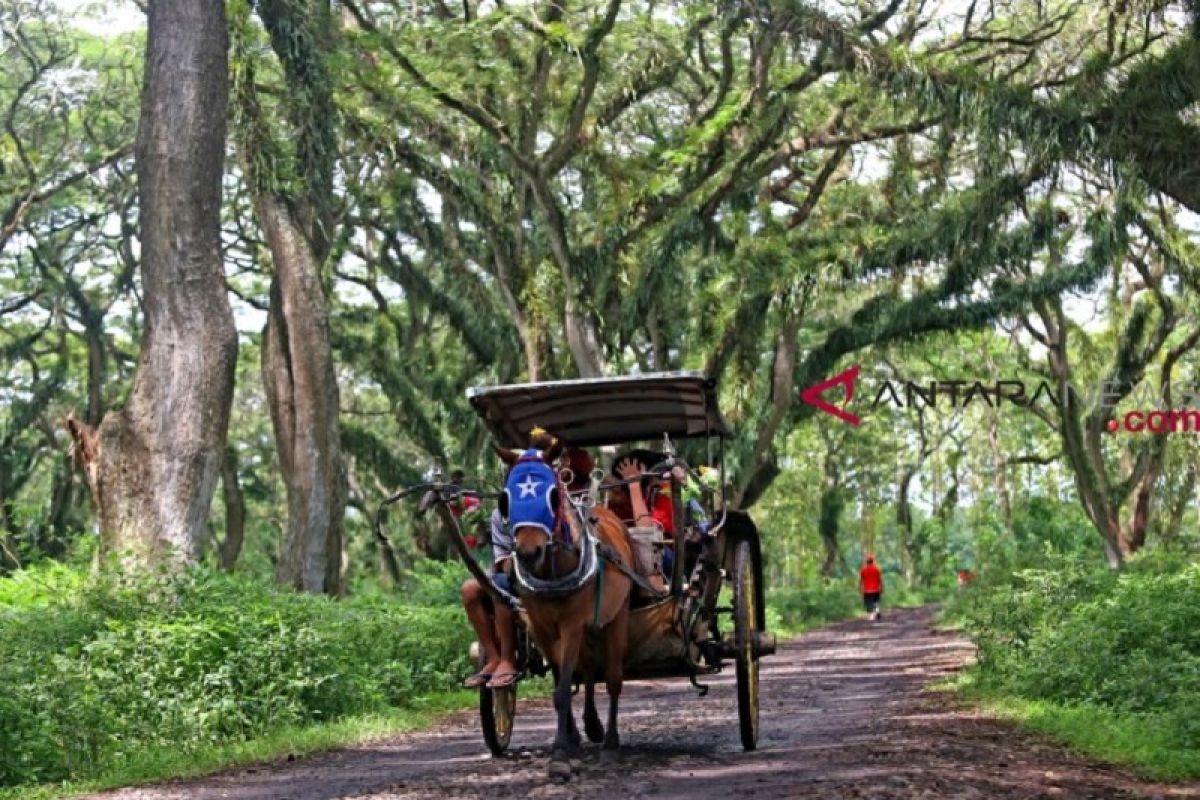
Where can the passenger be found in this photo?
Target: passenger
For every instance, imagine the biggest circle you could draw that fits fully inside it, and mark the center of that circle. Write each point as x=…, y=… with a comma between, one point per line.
x=580, y=463
x=646, y=501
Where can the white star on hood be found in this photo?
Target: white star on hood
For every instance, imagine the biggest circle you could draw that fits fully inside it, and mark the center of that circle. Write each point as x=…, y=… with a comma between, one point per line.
x=529, y=487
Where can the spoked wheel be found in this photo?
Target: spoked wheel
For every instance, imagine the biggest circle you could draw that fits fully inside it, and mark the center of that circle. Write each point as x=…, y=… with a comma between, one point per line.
x=497, y=709
x=745, y=624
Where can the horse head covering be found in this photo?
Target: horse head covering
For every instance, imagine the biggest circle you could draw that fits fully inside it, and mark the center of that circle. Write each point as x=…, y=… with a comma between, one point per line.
x=530, y=494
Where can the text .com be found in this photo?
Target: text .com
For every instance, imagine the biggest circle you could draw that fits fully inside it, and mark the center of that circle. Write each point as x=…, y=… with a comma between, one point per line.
x=1185, y=421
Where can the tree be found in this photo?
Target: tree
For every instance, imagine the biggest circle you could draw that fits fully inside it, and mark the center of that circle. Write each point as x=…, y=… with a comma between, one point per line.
x=153, y=464
x=832, y=503
x=1117, y=477
x=292, y=191
x=66, y=228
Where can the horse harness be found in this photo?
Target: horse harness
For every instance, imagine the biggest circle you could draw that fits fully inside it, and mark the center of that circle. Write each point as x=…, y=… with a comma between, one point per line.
x=592, y=553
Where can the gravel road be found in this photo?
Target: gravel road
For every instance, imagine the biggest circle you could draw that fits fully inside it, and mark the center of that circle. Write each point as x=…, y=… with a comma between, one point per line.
x=844, y=715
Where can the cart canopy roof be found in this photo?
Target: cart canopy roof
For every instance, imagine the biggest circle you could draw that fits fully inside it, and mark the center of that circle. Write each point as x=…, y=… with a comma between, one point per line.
x=599, y=411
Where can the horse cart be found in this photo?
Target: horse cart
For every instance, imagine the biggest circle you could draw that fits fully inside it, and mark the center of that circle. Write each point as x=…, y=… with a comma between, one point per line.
x=708, y=612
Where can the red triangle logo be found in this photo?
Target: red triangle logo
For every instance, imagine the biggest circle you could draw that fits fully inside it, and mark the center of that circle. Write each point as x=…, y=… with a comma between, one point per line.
x=812, y=395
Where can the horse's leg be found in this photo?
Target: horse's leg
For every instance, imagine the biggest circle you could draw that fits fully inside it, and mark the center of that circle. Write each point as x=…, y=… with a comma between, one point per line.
x=573, y=734
x=591, y=719
x=569, y=639
x=616, y=639
x=572, y=730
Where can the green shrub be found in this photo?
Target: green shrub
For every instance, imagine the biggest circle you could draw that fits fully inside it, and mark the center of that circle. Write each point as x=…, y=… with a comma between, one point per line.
x=1080, y=635
x=823, y=601
x=1002, y=614
x=98, y=671
x=435, y=582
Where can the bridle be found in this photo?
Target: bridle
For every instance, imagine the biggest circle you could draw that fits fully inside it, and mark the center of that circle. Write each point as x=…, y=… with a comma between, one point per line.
x=559, y=535
x=556, y=539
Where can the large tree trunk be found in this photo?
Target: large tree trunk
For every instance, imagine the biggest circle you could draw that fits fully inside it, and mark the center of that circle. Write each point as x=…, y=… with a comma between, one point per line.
x=1118, y=505
x=153, y=465
x=297, y=356
x=583, y=340
x=302, y=392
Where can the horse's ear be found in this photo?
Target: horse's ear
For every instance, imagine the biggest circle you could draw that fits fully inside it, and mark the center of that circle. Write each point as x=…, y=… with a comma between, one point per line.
x=551, y=455
x=506, y=455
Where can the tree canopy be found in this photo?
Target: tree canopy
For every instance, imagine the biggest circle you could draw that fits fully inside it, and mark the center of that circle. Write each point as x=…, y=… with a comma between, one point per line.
x=426, y=196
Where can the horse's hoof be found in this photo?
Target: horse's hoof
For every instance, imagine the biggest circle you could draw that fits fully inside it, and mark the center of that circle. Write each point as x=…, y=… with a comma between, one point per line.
x=575, y=739
x=560, y=771
x=594, y=730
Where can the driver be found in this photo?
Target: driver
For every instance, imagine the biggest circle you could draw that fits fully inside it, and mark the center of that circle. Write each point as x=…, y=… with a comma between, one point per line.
x=496, y=633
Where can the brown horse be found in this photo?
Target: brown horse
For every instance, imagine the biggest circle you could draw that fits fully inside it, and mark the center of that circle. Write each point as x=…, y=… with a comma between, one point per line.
x=562, y=573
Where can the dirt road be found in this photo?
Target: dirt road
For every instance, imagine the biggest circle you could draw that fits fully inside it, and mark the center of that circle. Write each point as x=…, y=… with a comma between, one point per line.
x=843, y=716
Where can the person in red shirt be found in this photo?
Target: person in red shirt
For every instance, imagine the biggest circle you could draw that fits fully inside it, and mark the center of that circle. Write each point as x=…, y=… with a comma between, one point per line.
x=870, y=581
x=646, y=502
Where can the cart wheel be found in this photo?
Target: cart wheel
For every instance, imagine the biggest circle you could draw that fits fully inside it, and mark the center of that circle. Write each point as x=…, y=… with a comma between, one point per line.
x=497, y=708
x=744, y=623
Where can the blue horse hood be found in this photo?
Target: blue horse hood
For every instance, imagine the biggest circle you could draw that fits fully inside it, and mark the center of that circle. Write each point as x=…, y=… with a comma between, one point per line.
x=529, y=489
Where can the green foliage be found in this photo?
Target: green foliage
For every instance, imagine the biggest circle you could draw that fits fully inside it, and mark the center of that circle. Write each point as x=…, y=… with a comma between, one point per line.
x=1044, y=529
x=794, y=610
x=98, y=672
x=1080, y=636
x=434, y=582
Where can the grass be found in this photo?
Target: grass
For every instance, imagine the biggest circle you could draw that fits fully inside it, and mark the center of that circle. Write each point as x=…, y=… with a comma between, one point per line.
x=1137, y=742
x=167, y=763
x=1102, y=662
x=126, y=762
x=293, y=741
x=289, y=742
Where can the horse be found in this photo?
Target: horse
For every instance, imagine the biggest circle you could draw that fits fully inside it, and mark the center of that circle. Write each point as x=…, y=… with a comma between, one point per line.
x=567, y=586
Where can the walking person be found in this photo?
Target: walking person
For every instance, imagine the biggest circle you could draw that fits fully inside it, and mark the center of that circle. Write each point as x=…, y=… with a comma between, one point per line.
x=870, y=582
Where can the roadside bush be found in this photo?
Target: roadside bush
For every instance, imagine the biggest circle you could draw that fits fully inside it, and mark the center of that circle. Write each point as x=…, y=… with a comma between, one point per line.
x=1081, y=635
x=432, y=582
x=797, y=609
x=1004, y=613
x=97, y=671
